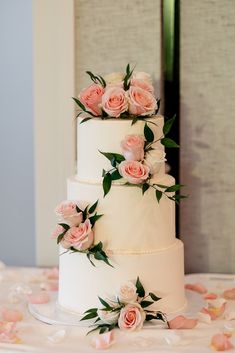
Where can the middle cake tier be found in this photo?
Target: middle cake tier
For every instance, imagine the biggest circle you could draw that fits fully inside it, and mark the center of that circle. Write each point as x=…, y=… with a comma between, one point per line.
x=131, y=222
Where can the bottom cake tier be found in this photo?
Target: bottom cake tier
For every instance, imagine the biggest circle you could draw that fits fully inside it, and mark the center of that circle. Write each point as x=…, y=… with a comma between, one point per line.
x=161, y=272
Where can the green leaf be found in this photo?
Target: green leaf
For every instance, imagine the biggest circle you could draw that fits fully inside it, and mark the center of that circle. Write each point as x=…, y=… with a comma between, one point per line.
x=158, y=195
x=168, y=125
x=158, y=105
x=78, y=209
x=103, y=173
x=103, y=83
x=148, y=133
x=91, y=310
x=150, y=317
x=140, y=289
x=134, y=120
x=89, y=316
x=116, y=175
x=84, y=120
x=93, y=330
x=107, y=182
x=96, y=247
x=104, y=329
x=104, y=303
x=60, y=237
x=64, y=225
x=174, y=188
x=94, y=219
x=167, y=142
x=113, y=156
x=146, y=303
x=89, y=258
x=85, y=212
x=161, y=186
x=77, y=101
x=93, y=207
x=145, y=187
x=100, y=255
x=154, y=297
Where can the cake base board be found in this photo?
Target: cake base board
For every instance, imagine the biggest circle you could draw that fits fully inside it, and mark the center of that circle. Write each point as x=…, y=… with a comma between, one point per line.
x=51, y=313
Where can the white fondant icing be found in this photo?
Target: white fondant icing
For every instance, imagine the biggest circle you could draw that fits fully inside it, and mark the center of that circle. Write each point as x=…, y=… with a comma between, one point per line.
x=106, y=135
x=161, y=272
x=131, y=222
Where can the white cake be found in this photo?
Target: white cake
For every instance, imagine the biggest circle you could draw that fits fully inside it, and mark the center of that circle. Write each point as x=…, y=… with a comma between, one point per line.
x=137, y=232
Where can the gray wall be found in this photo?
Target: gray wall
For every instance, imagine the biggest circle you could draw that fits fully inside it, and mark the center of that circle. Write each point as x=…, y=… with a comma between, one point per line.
x=207, y=134
x=17, y=245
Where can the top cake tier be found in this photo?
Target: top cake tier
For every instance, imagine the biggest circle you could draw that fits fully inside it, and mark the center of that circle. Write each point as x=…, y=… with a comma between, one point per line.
x=106, y=135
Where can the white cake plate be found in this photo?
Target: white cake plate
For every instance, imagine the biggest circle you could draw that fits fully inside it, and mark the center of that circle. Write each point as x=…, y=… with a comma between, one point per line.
x=51, y=313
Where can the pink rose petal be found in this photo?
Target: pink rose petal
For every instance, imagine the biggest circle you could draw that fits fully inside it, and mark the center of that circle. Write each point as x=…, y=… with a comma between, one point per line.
x=210, y=296
x=104, y=340
x=220, y=342
x=229, y=294
x=39, y=298
x=51, y=287
x=215, y=310
x=7, y=332
x=181, y=322
x=197, y=287
x=11, y=315
x=52, y=273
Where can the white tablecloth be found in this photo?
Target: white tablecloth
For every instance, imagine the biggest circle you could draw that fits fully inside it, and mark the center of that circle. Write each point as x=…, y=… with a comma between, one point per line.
x=39, y=337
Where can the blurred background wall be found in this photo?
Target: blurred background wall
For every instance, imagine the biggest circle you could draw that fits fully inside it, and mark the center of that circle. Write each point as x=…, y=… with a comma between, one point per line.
x=66, y=38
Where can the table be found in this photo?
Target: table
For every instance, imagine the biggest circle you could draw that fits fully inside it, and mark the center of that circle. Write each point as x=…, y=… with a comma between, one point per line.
x=37, y=337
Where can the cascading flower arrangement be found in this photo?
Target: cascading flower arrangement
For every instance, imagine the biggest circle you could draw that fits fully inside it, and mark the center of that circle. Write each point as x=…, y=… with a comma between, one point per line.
x=128, y=310
x=75, y=232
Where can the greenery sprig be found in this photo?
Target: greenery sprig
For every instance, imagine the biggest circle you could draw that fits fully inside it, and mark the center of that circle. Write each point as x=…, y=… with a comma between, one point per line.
x=115, y=307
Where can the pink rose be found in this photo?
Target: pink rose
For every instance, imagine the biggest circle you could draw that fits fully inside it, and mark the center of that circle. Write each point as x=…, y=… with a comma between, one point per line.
x=80, y=238
x=140, y=75
x=141, y=102
x=11, y=315
x=131, y=317
x=220, y=342
x=57, y=231
x=133, y=171
x=91, y=97
x=133, y=147
x=145, y=85
x=114, y=101
x=68, y=211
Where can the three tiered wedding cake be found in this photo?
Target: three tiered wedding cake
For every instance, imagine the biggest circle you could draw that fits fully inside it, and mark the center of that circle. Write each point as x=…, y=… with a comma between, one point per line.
x=121, y=174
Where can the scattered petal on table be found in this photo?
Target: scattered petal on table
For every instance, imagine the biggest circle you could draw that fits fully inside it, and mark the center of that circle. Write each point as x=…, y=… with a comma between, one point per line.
x=11, y=315
x=221, y=342
x=41, y=297
x=181, y=322
x=229, y=294
x=210, y=296
x=51, y=286
x=215, y=308
x=7, y=333
x=52, y=273
x=197, y=287
x=57, y=336
x=103, y=341
x=204, y=317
